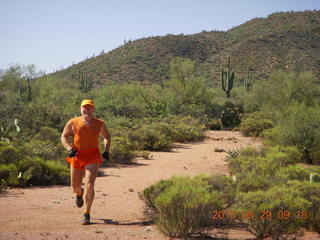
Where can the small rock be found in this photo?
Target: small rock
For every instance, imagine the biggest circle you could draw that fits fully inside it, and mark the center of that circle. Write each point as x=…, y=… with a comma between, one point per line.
x=45, y=234
x=185, y=168
x=103, y=194
x=219, y=150
x=131, y=190
x=148, y=229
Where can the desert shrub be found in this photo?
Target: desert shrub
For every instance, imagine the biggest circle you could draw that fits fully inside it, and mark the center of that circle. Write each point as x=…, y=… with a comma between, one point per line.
x=300, y=127
x=9, y=154
x=245, y=158
x=292, y=172
x=48, y=134
x=48, y=150
x=213, y=124
x=36, y=171
x=188, y=133
x=20, y=166
x=255, y=123
x=57, y=173
x=148, y=138
x=254, y=180
x=231, y=115
x=283, y=155
x=168, y=130
x=254, y=170
x=222, y=184
x=183, y=129
x=182, y=206
x=121, y=151
x=8, y=175
x=150, y=194
x=235, y=158
x=282, y=89
x=309, y=191
x=264, y=212
x=270, y=136
x=232, y=154
x=122, y=100
x=42, y=115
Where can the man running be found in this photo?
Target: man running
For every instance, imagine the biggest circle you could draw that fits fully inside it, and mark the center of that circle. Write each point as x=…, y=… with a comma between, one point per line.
x=84, y=155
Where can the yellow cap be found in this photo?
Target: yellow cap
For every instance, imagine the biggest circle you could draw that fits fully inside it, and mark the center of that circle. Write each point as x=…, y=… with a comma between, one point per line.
x=87, y=102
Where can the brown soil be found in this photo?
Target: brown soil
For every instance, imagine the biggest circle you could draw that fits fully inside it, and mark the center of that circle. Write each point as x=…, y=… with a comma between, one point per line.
x=50, y=213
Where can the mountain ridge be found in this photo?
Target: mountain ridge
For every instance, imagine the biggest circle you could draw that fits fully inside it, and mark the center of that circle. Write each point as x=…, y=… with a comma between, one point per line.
x=288, y=41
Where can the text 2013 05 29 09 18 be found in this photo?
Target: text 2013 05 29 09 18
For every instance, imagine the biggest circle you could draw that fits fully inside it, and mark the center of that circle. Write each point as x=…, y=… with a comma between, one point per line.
x=263, y=214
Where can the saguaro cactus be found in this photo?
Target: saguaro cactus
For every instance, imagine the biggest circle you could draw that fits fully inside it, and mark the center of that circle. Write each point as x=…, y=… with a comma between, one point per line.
x=85, y=83
x=248, y=82
x=227, y=78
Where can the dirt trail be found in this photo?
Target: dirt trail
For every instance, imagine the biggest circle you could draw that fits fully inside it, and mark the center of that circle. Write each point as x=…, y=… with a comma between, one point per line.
x=117, y=213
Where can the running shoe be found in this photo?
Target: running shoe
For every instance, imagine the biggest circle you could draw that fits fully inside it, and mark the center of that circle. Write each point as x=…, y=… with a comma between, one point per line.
x=86, y=219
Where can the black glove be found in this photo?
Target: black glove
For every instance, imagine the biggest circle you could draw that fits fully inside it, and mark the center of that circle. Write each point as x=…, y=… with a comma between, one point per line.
x=106, y=155
x=72, y=153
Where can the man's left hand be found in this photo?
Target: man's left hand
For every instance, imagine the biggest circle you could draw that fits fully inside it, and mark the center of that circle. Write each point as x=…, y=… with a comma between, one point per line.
x=106, y=155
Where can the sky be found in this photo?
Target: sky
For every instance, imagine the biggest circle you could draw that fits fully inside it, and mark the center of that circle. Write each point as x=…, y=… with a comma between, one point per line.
x=53, y=34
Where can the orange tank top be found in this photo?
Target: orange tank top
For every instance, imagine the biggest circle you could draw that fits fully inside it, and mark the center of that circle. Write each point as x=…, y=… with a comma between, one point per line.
x=86, y=137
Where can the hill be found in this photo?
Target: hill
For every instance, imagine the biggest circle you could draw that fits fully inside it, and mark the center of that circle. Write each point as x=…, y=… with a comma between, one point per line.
x=282, y=41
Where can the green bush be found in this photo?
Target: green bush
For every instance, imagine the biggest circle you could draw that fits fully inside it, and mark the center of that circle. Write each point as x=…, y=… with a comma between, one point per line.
x=48, y=150
x=300, y=127
x=9, y=154
x=20, y=166
x=36, y=171
x=57, y=173
x=182, y=129
x=236, y=157
x=150, y=194
x=255, y=123
x=48, y=134
x=292, y=172
x=214, y=124
x=231, y=115
x=222, y=184
x=264, y=212
x=309, y=191
x=121, y=150
x=147, y=138
x=182, y=206
x=255, y=170
x=281, y=90
x=8, y=175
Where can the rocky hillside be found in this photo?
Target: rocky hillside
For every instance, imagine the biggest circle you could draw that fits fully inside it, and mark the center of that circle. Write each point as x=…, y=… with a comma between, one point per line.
x=282, y=41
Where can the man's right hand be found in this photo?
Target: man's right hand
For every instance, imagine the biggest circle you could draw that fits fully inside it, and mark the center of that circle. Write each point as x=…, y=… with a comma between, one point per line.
x=72, y=153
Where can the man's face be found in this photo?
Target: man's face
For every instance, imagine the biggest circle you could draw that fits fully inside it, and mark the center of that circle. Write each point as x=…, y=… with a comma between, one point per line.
x=87, y=110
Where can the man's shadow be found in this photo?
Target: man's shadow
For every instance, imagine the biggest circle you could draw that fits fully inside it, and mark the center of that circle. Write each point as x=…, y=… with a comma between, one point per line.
x=112, y=222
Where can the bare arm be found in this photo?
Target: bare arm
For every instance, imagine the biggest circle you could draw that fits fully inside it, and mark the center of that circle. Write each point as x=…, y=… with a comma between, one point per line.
x=67, y=132
x=106, y=137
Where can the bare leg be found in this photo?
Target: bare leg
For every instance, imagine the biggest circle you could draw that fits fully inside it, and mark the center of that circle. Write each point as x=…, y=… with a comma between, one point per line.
x=91, y=172
x=76, y=180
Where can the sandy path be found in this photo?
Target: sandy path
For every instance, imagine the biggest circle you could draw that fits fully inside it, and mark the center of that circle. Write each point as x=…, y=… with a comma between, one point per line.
x=49, y=212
